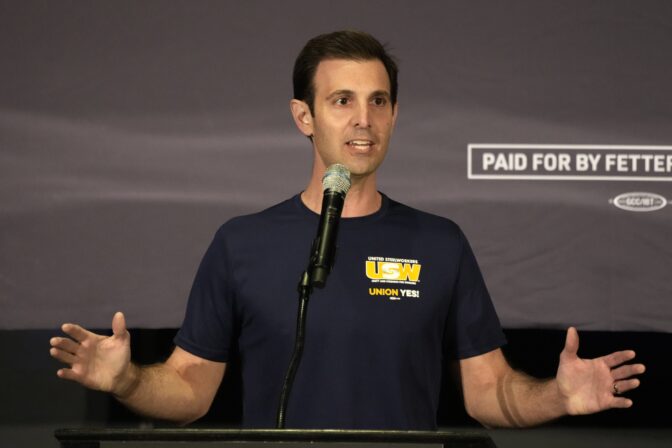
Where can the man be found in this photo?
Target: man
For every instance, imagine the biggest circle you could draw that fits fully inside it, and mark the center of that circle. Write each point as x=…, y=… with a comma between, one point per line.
x=405, y=292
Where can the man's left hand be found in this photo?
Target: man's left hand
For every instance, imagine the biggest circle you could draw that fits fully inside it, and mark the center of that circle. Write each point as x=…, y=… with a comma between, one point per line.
x=593, y=385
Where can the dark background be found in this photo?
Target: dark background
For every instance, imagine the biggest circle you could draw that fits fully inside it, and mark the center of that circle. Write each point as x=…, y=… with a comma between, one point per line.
x=35, y=402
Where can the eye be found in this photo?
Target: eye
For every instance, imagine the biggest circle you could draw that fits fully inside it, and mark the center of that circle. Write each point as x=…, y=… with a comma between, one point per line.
x=342, y=101
x=379, y=101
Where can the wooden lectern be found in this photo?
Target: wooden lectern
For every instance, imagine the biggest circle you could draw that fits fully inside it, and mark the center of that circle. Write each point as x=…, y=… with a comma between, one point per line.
x=268, y=438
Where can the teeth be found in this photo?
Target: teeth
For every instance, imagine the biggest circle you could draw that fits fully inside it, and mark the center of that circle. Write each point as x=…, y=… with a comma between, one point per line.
x=360, y=143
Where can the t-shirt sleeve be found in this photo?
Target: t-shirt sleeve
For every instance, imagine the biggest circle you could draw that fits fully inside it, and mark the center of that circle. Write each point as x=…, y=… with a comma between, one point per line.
x=472, y=326
x=208, y=327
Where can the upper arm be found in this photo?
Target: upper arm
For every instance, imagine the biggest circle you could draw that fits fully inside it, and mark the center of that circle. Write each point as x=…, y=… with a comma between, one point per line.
x=203, y=376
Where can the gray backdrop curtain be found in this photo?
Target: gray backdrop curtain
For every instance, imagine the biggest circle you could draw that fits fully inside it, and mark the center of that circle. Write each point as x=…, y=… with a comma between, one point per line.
x=129, y=131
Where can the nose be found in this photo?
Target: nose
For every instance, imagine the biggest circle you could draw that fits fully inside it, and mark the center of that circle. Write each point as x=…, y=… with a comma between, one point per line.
x=361, y=117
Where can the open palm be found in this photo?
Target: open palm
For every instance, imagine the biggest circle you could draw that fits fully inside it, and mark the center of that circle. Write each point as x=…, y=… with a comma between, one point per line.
x=95, y=361
x=593, y=385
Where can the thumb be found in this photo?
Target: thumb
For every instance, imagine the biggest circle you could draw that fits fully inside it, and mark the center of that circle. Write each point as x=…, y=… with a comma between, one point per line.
x=571, y=343
x=119, y=324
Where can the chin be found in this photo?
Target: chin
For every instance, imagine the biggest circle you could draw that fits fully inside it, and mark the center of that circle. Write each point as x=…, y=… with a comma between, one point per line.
x=358, y=166
x=357, y=170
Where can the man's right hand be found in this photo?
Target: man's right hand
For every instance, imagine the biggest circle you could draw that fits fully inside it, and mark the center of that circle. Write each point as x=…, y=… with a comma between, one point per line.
x=95, y=361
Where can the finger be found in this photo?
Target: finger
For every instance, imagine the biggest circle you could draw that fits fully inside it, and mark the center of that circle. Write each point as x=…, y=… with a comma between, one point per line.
x=571, y=343
x=620, y=402
x=627, y=371
x=626, y=385
x=119, y=324
x=618, y=358
x=76, y=332
x=65, y=344
x=65, y=357
x=67, y=374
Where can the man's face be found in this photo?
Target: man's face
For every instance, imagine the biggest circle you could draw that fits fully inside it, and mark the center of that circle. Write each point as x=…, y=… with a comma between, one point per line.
x=353, y=114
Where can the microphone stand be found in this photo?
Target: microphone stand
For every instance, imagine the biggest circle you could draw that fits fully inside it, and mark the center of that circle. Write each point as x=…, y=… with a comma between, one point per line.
x=336, y=182
x=305, y=289
x=319, y=266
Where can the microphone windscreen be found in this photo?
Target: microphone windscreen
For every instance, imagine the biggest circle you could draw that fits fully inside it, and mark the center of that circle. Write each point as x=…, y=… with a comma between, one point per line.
x=336, y=178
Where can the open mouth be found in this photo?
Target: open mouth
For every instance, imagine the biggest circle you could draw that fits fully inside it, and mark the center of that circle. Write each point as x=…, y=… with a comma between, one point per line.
x=360, y=144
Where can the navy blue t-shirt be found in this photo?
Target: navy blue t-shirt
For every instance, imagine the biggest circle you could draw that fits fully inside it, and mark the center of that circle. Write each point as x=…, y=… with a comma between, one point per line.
x=405, y=293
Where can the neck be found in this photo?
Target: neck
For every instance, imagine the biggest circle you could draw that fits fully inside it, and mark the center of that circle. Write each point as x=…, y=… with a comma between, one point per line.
x=362, y=199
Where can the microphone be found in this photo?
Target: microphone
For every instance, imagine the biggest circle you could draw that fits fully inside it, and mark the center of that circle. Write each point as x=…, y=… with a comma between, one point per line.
x=335, y=184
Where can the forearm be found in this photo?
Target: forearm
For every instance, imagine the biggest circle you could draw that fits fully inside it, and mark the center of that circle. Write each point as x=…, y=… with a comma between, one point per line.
x=518, y=400
x=498, y=396
x=160, y=392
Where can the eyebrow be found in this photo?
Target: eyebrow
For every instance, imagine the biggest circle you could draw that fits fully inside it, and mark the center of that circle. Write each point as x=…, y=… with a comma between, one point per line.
x=343, y=92
x=384, y=93
x=346, y=92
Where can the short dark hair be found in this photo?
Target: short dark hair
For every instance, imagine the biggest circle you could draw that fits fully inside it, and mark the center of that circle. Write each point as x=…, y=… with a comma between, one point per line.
x=346, y=44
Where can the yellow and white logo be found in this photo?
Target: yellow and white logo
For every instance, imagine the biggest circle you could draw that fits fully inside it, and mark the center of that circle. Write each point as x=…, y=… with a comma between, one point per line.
x=396, y=271
x=394, y=293
x=393, y=270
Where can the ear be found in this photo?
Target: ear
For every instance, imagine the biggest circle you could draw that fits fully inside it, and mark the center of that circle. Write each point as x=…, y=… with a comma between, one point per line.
x=302, y=116
x=395, y=112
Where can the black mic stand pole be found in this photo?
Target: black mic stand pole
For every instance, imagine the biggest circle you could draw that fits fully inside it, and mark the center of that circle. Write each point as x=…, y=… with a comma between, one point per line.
x=319, y=265
x=336, y=182
x=305, y=289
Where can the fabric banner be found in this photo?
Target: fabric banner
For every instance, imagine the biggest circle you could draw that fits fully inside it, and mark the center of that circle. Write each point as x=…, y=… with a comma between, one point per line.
x=129, y=131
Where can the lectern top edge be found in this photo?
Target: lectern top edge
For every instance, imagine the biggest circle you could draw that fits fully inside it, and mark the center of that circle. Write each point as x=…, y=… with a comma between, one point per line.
x=77, y=437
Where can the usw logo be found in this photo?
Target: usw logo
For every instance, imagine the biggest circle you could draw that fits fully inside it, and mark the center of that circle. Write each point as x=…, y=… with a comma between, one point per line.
x=393, y=271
